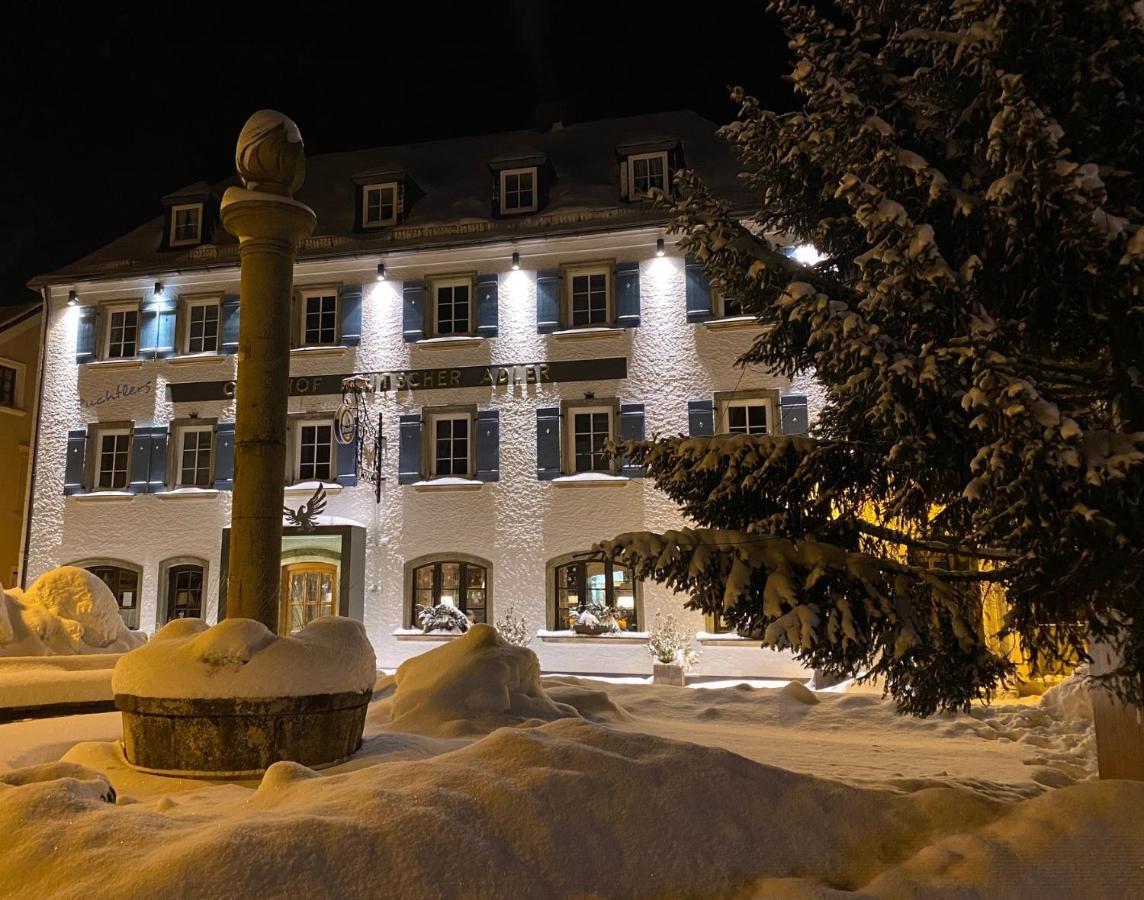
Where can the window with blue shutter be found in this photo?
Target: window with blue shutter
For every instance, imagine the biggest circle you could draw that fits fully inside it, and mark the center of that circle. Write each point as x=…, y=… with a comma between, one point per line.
x=488, y=445
x=140, y=460
x=148, y=329
x=85, y=334
x=165, y=332
x=548, y=443
x=701, y=418
x=75, y=467
x=487, y=312
x=347, y=462
x=409, y=448
x=698, y=292
x=631, y=429
x=229, y=312
x=548, y=301
x=351, y=315
x=157, y=464
x=794, y=414
x=413, y=310
x=224, y=456
x=627, y=294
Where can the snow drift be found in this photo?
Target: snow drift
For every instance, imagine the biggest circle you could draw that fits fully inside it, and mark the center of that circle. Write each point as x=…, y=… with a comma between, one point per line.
x=66, y=611
x=471, y=685
x=243, y=658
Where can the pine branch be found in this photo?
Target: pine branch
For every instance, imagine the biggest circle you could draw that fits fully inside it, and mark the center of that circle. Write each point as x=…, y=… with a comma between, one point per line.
x=900, y=537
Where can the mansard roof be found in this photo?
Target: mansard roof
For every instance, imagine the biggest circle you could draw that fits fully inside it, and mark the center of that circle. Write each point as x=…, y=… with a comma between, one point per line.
x=451, y=184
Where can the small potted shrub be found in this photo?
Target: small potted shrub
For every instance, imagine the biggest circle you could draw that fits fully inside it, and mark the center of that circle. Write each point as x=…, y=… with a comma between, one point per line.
x=513, y=628
x=670, y=646
x=596, y=618
x=442, y=617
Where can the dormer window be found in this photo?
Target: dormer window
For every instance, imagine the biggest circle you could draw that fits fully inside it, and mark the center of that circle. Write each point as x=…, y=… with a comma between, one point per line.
x=379, y=205
x=186, y=224
x=518, y=190
x=646, y=171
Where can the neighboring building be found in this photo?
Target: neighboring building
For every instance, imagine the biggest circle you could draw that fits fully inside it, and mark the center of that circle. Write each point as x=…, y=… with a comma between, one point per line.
x=507, y=293
x=20, y=342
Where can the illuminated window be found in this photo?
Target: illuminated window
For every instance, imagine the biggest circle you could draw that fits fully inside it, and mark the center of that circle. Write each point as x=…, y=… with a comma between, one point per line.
x=185, y=592
x=309, y=592
x=458, y=583
x=379, y=205
x=518, y=190
x=647, y=171
x=319, y=319
x=186, y=224
x=595, y=585
x=124, y=584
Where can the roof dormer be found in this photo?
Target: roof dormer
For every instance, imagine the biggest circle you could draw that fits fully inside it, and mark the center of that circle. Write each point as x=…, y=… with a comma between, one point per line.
x=647, y=166
x=382, y=198
x=188, y=217
x=520, y=184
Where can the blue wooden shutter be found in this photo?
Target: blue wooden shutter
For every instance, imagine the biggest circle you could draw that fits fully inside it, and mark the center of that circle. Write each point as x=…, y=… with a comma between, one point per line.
x=351, y=315
x=627, y=281
x=548, y=443
x=698, y=292
x=548, y=301
x=165, y=333
x=347, y=462
x=157, y=469
x=140, y=473
x=413, y=310
x=223, y=456
x=75, y=469
x=794, y=414
x=85, y=335
x=487, y=305
x=631, y=429
x=700, y=418
x=488, y=445
x=409, y=448
x=228, y=313
x=148, y=330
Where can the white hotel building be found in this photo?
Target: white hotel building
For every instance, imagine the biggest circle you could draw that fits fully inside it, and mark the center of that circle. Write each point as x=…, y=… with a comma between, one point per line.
x=502, y=382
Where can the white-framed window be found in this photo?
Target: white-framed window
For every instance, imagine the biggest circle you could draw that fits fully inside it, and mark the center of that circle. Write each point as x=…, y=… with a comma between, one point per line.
x=113, y=459
x=186, y=224
x=11, y=384
x=202, y=327
x=602, y=587
x=379, y=205
x=314, y=450
x=725, y=307
x=751, y=415
x=589, y=297
x=646, y=171
x=195, y=463
x=452, y=306
x=589, y=429
x=122, y=341
x=319, y=318
x=518, y=190
x=451, y=445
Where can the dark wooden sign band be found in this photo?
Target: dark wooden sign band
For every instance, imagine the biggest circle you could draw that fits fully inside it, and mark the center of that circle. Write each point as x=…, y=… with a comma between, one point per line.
x=424, y=379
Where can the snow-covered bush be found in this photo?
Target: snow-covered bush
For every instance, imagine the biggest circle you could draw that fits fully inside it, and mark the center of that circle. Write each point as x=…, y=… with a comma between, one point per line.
x=441, y=617
x=597, y=618
x=513, y=628
x=670, y=643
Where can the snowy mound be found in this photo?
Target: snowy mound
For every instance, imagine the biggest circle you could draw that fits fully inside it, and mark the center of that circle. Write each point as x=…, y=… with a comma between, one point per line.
x=243, y=658
x=66, y=611
x=472, y=685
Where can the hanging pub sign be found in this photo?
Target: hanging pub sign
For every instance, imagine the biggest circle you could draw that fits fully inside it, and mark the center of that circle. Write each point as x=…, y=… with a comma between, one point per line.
x=497, y=376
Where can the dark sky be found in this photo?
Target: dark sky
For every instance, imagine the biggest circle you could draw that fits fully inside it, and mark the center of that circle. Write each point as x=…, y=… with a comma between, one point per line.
x=103, y=116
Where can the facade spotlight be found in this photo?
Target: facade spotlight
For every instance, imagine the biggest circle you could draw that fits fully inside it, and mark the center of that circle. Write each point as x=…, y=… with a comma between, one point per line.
x=73, y=298
x=659, y=246
x=515, y=261
x=381, y=271
x=158, y=290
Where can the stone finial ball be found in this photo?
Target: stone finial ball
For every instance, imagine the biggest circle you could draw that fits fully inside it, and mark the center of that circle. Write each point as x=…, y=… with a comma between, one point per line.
x=269, y=156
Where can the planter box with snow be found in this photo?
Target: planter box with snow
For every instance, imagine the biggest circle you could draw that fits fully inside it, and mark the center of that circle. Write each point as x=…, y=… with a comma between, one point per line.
x=667, y=673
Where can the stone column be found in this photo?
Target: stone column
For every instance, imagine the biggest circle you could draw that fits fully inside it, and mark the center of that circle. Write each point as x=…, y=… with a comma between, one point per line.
x=269, y=224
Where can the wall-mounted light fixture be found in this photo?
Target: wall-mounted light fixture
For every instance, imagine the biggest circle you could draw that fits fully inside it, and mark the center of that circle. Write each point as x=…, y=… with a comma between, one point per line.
x=73, y=298
x=515, y=261
x=659, y=246
x=158, y=290
x=381, y=271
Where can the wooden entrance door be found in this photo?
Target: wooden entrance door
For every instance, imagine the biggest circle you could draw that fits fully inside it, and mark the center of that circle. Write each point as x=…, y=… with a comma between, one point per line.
x=309, y=591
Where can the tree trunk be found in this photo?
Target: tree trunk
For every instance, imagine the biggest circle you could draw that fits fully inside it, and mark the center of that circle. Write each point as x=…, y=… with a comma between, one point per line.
x=1119, y=727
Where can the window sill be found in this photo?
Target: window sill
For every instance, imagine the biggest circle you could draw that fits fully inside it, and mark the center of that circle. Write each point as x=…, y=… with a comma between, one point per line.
x=13, y=411
x=725, y=639
x=571, y=637
x=416, y=634
x=189, y=358
x=104, y=497
x=448, y=484
x=307, y=488
x=332, y=350
x=731, y=323
x=586, y=334
x=187, y=492
x=591, y=479
x=449, y=343
x=116, y=364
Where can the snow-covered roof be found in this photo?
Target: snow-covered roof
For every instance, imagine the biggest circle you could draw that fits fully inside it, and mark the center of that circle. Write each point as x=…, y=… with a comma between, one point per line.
x=449, y=197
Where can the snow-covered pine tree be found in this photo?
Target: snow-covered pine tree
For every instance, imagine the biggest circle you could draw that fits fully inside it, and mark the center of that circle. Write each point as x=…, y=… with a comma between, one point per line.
x=971, y=171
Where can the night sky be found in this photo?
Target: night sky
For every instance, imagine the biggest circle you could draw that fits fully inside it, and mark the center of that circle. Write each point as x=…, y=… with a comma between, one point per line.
x=105, y=116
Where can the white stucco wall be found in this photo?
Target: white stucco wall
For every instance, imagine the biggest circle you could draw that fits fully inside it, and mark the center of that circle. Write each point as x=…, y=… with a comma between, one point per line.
x=518, y=523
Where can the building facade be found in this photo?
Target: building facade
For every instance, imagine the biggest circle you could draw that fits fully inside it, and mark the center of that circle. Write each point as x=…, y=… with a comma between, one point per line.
x=19, y=369
x=511, y=302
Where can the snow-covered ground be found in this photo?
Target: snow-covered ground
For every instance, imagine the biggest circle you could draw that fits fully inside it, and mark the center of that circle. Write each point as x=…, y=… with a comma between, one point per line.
x=648, y=791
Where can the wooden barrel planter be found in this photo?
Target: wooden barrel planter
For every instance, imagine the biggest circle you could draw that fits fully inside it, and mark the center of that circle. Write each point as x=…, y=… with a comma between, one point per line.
x=240, y=736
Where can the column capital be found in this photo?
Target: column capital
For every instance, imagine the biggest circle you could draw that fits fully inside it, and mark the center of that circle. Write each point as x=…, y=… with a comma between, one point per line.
x=261, y=216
